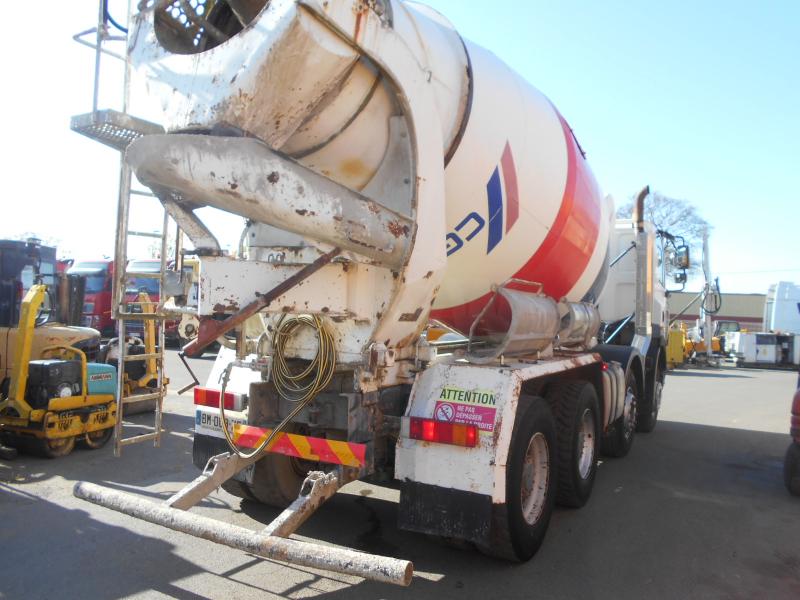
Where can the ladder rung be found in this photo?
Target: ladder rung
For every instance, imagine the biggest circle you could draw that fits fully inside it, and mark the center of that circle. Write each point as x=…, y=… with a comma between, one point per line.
x=150, y=234
x=141, y=397
x=135, y=357
x=127, y=316
x=144, y=437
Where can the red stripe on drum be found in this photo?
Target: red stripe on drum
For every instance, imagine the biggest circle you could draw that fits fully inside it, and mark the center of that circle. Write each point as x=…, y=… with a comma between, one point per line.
x=562, y=257
x=510, y=182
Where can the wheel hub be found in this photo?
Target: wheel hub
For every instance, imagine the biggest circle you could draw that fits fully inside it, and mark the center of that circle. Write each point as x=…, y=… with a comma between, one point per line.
x=586, y=444
x=630, y=413
x=535, y=478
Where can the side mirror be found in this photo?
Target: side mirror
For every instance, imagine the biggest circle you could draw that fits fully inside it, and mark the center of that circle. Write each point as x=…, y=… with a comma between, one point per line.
x=681, y=259
x=680, y=277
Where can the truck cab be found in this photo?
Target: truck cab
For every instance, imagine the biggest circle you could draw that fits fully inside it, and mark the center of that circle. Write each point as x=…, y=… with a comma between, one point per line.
x=99, y=276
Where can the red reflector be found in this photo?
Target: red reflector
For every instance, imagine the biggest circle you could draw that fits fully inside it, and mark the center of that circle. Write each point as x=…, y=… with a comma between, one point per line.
x=796, y=403
x=429, y=431
x=209, y=397
x=442, y=432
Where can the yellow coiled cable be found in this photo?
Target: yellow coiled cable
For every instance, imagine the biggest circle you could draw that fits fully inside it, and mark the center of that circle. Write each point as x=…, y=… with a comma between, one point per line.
x=298, y=388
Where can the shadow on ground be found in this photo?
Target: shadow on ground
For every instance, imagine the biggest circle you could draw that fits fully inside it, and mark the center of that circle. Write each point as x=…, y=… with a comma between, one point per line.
x=710, y=501
x=694, y=511
x=136, y=467
x=710, y=373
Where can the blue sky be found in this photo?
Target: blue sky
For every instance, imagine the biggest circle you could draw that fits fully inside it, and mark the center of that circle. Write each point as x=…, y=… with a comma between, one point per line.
x=700, y=100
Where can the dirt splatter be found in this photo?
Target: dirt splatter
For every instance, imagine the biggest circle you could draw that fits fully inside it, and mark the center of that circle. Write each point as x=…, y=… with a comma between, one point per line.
x=396, y=228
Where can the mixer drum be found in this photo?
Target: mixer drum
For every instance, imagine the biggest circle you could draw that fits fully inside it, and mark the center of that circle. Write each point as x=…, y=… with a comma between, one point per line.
x=521, y=202
x=520, y=199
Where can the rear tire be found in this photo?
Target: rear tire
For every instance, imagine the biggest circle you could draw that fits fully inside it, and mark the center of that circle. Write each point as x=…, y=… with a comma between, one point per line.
x=619, y=440
x=53, y=448
x=791, y=469
x=577, y=418
x=94, y=440
x=519, y=525
x=648, y=410
x=277, y=480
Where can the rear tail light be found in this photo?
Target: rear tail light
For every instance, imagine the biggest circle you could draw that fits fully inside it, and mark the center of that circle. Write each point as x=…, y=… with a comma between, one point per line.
x=795, y=430
x=209, y=397
x=443, y=432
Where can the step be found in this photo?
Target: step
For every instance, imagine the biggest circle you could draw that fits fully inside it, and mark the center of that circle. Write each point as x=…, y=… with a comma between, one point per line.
x=144, y=437
x=135, y=357
x=141, y=397
x=129, y=316
x=113, y=128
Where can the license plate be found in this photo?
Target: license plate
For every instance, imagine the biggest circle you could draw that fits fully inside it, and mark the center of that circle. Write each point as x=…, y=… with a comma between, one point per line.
x=207, y=421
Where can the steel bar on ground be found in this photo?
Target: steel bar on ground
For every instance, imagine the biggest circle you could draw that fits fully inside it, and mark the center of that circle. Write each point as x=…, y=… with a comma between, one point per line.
x=340, y=560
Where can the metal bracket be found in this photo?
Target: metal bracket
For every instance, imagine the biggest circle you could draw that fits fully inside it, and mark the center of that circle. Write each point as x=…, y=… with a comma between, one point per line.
x=316, y=489
x=222, y=467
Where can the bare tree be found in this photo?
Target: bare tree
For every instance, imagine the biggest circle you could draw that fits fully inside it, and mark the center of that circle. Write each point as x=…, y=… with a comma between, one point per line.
x=678, y=217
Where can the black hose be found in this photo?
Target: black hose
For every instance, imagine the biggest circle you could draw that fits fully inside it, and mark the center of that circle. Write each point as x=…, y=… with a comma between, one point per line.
x=107, y=16
x=715, y=297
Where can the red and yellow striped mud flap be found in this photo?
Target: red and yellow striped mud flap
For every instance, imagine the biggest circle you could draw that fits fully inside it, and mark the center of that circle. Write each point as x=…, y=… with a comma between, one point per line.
x=302, y=446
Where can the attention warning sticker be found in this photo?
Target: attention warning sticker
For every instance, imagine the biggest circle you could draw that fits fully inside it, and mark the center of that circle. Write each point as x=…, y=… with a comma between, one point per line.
x=468, y=407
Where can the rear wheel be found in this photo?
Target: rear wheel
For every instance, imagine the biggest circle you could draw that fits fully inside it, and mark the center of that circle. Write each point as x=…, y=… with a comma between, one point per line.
x=53, y=448
x=519, y=526
x=648, y=413
x=277, y=480
x=94, y=440
x=619, y=440
x=577, y=417
x=791, y=469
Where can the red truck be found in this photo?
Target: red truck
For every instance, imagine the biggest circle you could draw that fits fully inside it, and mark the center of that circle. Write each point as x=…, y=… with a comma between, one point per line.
x=98, y=296
x=99, y=276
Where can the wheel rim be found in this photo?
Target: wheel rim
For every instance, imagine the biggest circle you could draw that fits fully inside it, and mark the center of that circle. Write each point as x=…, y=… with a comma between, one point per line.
x=586, y=444
x=657, y=397
x=630, y=412
x=58, y=446
x=535, y=478
x=97, y=439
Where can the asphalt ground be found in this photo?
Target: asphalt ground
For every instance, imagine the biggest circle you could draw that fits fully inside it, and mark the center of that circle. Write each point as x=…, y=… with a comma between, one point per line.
x=697, y=510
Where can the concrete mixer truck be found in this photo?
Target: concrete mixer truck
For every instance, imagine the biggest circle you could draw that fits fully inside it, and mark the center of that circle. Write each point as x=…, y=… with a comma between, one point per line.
x=391, y=173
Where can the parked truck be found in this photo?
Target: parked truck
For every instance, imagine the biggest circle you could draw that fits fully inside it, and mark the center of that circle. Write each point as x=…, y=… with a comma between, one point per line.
x=391, y=172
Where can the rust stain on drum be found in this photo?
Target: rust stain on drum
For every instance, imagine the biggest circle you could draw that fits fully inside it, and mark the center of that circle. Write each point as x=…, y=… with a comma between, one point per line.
x=397, y=229
x=411, y=316
x=353, y=167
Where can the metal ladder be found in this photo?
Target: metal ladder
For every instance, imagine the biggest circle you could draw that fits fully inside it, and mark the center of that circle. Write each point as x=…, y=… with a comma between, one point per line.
x=117, y=130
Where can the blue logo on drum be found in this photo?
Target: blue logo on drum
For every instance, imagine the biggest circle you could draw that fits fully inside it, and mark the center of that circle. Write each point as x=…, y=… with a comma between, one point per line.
x=502, y=204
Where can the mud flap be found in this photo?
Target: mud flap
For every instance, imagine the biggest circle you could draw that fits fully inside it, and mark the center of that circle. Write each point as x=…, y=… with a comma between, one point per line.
x=446, y=512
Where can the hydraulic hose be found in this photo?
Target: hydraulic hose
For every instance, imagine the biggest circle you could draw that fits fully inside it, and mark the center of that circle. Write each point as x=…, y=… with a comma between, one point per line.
x=298, y=388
